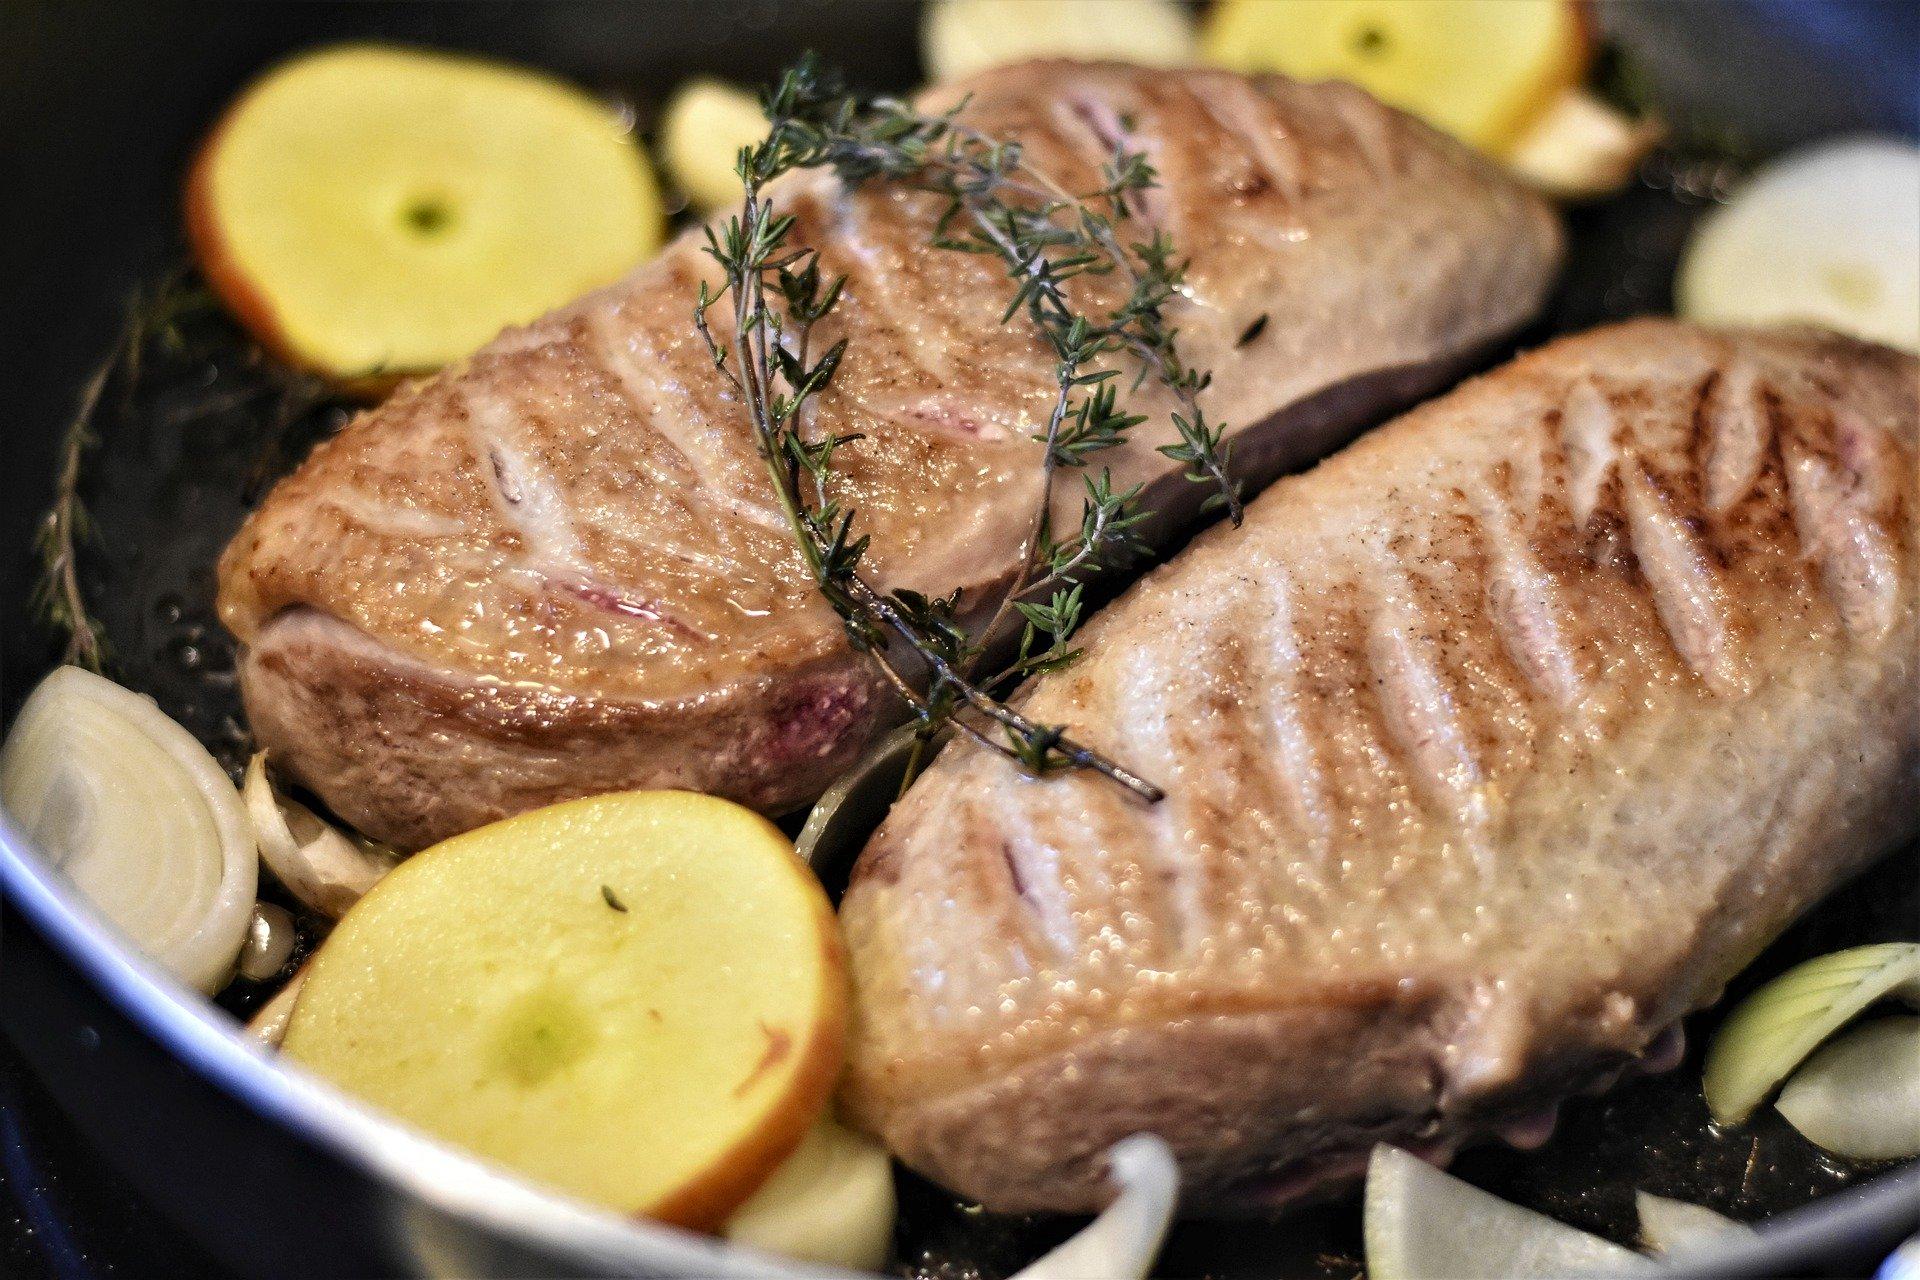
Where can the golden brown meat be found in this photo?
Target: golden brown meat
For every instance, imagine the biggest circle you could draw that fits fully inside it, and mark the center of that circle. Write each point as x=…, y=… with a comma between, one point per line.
x=1492, y=747
x=557, y=569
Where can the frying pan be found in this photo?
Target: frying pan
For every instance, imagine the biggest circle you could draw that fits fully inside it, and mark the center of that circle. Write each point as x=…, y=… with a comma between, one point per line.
x=274, y=1174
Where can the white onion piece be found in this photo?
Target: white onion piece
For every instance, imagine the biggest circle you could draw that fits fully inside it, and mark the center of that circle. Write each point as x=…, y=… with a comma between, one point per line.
x=830, y=1202
x=1829, y=234
x=1860, y=1096
x=269, y=1022
x=1425, y=1224
x=1667, y=1225
x=1123, y=1241
x=959, y=37
x=269, y=942
x=138, y=817
x=1580, y=147
x=318, y=865
x=701, y=133
x=1776, y=1027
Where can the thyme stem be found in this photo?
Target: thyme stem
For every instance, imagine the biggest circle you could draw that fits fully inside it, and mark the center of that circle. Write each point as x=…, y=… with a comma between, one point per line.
x=1000, y=206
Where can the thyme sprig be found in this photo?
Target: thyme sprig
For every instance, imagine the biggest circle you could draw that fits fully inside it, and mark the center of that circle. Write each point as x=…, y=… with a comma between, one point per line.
x=68, y=526
x=158, y=321
x=1000, y=206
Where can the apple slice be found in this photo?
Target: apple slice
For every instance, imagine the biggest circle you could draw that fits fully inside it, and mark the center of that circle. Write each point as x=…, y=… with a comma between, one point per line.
x=960, y=37
x=1483, y=70
x=636, y=998
x=370, y=212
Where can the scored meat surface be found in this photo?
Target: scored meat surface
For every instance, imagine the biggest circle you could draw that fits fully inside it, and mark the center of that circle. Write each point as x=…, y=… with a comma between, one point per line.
x=1492, y=747
x=558, y=569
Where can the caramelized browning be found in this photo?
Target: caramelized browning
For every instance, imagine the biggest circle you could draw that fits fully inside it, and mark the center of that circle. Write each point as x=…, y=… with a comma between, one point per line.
x=575, y=525
x=1492, y=747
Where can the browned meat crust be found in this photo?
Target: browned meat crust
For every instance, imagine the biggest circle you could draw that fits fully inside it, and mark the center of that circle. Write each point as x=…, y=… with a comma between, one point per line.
x=1493, y=746
x=556, y=569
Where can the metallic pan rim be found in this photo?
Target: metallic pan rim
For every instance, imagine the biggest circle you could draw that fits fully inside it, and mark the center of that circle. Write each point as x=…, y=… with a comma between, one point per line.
x=213, y=1046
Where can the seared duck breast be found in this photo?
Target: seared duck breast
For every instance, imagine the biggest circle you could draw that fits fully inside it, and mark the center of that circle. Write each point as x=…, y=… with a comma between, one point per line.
x=557, y=569
x=1492, y=747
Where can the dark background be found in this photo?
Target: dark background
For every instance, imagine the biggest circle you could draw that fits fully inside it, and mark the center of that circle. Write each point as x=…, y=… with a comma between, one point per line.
x=100, y=107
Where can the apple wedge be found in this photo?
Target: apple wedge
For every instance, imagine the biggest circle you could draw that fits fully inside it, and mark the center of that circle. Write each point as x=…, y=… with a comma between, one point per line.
x=371, y=212
x=638, y=999
x=1483, y=70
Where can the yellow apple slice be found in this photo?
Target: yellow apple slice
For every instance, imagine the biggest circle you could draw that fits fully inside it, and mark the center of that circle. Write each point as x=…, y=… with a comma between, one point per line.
x=701, y=134
x=959, y=37
x=832, y=1202
x=1482, y=70
x=371, y=211
x=637, y=998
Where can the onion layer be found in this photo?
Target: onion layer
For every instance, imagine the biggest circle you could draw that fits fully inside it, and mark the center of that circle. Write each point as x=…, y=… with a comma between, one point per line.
x=1122, y=1242
x=831, y=1202
x=136, y=814
x=1860, y=1096
x=1424, y=1224
x=318, y=865
x=1667, y=1225
x=1776, y=1027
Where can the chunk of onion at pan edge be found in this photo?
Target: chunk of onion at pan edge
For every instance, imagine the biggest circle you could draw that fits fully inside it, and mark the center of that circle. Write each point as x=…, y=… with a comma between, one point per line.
x=1123, y=1241
x=1860, y=1095
x=318, y=864
x=1829, y=234
x=136, y=814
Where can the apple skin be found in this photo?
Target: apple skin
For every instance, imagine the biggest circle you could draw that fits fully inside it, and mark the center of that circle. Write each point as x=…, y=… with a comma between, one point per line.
x=812, y=1053
x=234, y=288
x=251, y=298
x=706, y=1203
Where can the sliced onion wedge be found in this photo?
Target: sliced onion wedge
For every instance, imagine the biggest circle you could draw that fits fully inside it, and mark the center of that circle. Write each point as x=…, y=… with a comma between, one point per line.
x=1580, y=147
x=1776, y=1027
x=1123, y=1241
x=136, y=814
x=1668, y=1225
x=1425, y=1224
x=1830, y=234
x=318, y=865
x=269, y=1022
x=1860, y=1096
x=831, y=1202
x=701, y=134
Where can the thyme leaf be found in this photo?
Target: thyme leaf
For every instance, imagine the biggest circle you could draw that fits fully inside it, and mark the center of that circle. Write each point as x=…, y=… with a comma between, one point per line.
x=997, y=205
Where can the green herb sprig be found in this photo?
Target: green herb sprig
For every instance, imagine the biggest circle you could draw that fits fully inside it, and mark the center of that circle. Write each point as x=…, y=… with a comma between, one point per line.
x=997, y=205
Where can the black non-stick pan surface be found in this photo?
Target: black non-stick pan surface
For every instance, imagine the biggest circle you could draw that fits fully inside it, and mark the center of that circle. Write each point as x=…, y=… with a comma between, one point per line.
x=100, y=106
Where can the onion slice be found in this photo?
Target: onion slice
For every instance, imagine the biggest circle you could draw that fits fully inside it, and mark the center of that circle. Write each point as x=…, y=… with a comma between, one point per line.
x=136, y=814
x=1860, y=1096
x=1776, y=1027
x=830, y=1202
x=1669, y=1225
x=318, y=865
x=1123, y=1241
x=1828, y=233
x=269, y=1022
x=1425, y=1224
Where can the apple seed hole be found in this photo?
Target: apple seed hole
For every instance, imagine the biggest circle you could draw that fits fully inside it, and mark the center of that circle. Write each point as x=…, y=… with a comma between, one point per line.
x=427, y=216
